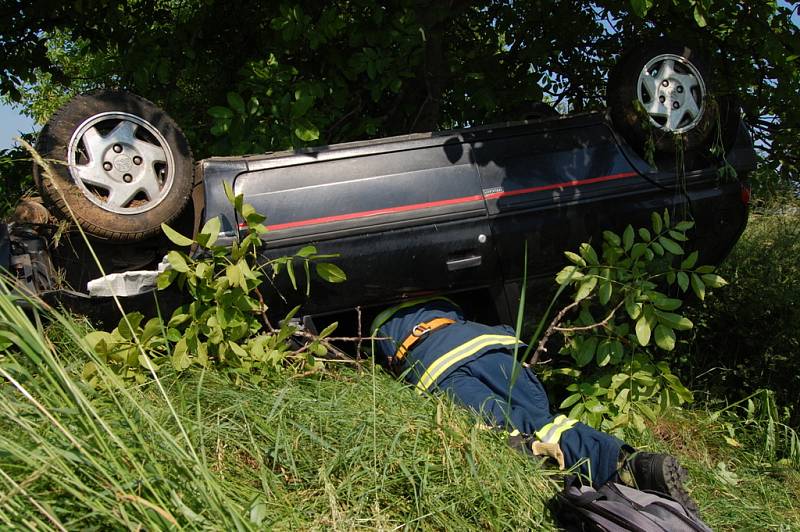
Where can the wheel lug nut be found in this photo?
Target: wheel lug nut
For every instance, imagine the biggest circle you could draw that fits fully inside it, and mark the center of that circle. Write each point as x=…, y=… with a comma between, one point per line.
x=679, y=89
x=137, y=160
x=675, y=105
x=117, y=148
x=665, y=83
x=107, y=166
x=662, y=99
x=127, y=178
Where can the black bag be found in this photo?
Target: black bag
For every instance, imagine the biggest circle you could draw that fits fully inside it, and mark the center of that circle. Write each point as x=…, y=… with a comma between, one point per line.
x=616, y=507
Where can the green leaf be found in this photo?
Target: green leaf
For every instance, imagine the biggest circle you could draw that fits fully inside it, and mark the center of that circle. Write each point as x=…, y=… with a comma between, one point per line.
x=689, y=261
x=670, y=245
x=638, y=250
x=180, y=356
x=100, y=341
x=236, y=102
x=698, y=16
x=571, y=400
x=228, y=192
x=603, y=353
x=176, y=238
x=683, y=281
x=307, y=251
x=680, y=237
x=221, y=112
x=251, y=215
x=234, y=275
x=604, y=293
x=641, y=7
x=632, y=307
x=211, y=228
x=290, y=271
x=674, y=321
x=657, y=248
x=684, y=226
x=667, y=303
x=588, y=253
x=666, y=217
x=665, y=337
x=568, y=274
x=643, y=331
x=586, y=288
x=655, y=218
x=306, y=131
x=612, y=238
x=177, y=261
x=713, y=280
x=617, y=351
x=574, y=257
x=329, y=329
x=627, y=238
x=586, y=351
x=644, y=234
x=698, y=287
x=166, y=278
x=330, y=272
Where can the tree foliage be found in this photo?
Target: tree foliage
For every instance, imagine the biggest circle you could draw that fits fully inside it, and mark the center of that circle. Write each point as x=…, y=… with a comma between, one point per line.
x=254, y=76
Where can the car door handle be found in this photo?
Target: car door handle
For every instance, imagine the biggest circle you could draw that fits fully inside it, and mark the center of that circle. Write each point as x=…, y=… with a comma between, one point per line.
x=463, y=263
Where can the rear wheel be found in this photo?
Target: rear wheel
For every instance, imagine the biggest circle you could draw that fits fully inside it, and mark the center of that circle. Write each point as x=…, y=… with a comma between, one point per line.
x=662, y=94
x=121, y=166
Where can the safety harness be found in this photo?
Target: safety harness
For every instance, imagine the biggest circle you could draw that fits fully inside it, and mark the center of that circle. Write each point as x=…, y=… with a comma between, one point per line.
x=418, y=333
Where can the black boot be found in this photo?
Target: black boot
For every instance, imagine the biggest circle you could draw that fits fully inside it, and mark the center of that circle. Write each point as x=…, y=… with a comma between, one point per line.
x=658, y=472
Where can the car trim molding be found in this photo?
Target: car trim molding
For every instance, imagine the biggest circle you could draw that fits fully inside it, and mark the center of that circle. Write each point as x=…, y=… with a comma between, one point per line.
x=444, y=203
x=564, y=184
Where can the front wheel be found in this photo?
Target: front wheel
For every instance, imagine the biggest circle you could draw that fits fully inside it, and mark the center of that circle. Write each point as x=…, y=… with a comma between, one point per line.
x=121, y=166
x=661, y=95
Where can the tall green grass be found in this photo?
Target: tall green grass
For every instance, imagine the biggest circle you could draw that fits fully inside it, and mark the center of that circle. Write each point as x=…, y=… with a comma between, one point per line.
x=296, y=453
x=747, y=336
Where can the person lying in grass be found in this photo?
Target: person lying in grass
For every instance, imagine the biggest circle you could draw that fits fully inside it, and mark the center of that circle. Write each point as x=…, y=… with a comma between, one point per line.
x=428, y=343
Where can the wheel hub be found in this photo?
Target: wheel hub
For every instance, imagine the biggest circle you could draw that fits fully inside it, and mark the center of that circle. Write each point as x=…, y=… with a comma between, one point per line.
x=672, y=92
x=121, y=163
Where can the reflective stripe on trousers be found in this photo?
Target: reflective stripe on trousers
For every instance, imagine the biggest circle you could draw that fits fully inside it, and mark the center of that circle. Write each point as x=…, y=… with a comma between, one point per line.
x=552, y=432
x=459, y=353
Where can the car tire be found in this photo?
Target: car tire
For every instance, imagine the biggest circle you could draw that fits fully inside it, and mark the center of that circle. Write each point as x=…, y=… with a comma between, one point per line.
x=120, y=165
x=663, y=93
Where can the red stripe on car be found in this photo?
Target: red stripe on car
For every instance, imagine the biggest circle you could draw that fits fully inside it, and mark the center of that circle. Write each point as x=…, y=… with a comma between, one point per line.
x=563, y=184
x=442, y=203
x=376, y=212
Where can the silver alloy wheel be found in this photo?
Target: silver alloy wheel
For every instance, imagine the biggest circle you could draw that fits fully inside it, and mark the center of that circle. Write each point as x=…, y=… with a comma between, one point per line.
x=121, y=162
x=672, y=92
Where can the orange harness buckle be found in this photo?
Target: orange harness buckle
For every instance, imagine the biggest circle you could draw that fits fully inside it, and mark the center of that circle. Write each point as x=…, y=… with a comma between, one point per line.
x=419, y=331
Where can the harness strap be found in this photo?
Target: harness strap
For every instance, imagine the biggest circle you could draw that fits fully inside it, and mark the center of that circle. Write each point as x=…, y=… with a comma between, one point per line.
x=459, y=353
x=418, y=333
x=551, y=433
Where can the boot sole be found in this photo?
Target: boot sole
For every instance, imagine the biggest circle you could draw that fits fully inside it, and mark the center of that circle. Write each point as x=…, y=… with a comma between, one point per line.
x=674, y=478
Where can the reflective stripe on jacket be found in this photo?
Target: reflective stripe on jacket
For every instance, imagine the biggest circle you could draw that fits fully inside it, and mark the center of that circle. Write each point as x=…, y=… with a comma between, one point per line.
x=444, y=350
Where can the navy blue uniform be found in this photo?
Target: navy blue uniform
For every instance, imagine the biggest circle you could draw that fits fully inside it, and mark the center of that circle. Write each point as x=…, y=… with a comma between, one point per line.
x=475, y=364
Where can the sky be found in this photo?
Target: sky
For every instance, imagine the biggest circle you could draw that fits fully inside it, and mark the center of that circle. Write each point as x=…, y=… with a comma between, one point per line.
x=11, y=124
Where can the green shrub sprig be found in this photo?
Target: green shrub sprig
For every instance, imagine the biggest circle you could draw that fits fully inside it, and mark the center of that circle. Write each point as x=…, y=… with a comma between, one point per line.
x=627, y=301
x=225, y=323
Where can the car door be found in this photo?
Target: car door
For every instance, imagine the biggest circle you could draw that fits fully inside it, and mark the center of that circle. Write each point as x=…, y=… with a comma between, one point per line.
x=406, y=217
x=553, y=185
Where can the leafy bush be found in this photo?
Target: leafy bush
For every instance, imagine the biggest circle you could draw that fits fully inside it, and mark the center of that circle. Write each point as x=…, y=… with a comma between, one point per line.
x=225, y=325
x=748, y=338
x=625, y=319
x=15, y=177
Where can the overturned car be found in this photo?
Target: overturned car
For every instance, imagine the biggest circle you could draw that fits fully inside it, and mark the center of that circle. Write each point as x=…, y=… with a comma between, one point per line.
x=448, y=211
